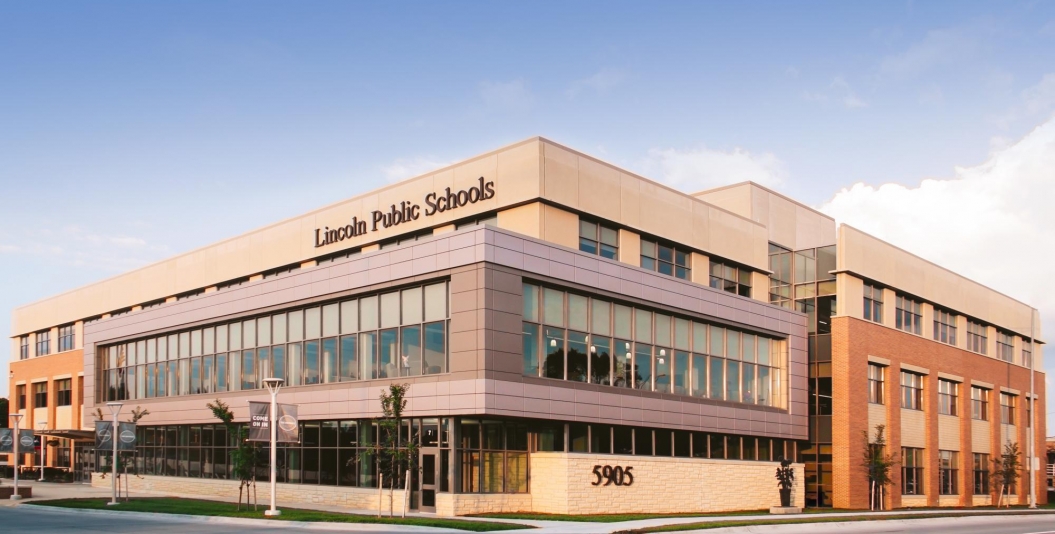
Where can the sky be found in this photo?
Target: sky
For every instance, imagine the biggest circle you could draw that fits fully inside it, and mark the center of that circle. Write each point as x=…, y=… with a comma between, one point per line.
x=133, y=131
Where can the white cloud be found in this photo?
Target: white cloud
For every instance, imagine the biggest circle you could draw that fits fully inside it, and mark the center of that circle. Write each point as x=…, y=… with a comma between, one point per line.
x=938, y=46
x=600, y=82
x=989, y=222
x=511, y=95
x=849, y=98
x=1040, y=98
x=408, y=168
x=76, y=246
x=704, y=168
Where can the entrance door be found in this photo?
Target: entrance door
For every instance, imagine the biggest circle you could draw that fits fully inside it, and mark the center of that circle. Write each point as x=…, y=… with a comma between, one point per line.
x=429, y=472
x=84, y=463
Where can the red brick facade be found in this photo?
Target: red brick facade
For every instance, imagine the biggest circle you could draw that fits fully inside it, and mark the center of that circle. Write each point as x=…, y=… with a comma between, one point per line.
x=853, y=341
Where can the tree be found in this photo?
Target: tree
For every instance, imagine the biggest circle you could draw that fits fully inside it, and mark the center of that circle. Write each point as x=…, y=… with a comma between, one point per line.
x=244, y=457
x=877, y=464
x=137, y=414
x=394, y=454
x=4, y=409
x=1006, y=469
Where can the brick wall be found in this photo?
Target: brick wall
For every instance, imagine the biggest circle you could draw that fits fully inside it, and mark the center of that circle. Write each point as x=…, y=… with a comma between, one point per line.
x=853, y=341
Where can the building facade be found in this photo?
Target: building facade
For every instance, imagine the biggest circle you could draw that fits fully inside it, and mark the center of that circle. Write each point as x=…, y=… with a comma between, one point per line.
x=577, y=339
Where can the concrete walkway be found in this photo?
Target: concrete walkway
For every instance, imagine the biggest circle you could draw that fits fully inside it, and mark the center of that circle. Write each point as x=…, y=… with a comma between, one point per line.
x=47, y=490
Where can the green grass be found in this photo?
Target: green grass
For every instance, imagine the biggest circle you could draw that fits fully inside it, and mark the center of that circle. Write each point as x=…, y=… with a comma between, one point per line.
x=168, y=505
x=707, y=525
x=610, y=518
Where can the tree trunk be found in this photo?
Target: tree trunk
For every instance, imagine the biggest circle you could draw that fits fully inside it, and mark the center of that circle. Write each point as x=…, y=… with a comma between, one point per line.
x=380, y=493
x=241, y=485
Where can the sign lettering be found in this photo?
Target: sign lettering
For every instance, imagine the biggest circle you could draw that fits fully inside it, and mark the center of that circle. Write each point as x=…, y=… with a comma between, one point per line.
x=406, y=211
x=618, y=475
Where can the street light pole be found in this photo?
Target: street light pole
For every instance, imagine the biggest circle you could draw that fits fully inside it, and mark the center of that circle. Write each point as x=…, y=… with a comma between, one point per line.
x=43, y=448
x=273, y=385
x=17, y=417
x=115, y=408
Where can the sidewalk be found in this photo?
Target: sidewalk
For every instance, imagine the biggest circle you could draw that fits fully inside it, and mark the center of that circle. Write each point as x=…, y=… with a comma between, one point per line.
x=48, y=490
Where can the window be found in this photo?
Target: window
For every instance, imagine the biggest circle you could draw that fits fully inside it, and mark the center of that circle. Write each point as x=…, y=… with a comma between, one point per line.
x=1027, y=353
x=948, y=481
x=63, y=392
x=976, y=337
x=190, y=294
x=482, y=220
x=23, y=348
x=665, y=259
x=780, y=279
x=597, y=239
x=981, y=474
x=21, y=397
x=1007, y=408
x=1005, y=346
x=909, y=317
x=65, y=338
x=387, y=335
x=43, y=343
x=873, y=303
x=947, y=393
x=911, y=391
x=293, y=267
x=40, y=395
x=979, y=403
x=945, y=326
x=566, y=336
x=875, y=383
x=731, y=279
x=911, y=471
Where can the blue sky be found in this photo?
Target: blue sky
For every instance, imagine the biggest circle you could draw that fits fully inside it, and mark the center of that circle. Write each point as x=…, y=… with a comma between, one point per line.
x=133, y=131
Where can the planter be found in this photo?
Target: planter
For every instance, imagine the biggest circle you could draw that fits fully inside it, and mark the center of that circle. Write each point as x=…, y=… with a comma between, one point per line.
x=785, y=497
x=23, y=491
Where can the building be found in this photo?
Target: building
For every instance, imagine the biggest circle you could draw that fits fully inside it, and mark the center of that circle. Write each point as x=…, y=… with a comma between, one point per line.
x=577, y=339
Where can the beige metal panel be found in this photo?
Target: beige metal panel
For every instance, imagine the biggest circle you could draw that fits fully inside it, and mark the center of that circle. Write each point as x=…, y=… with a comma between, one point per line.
x=789, y=223
x=851, y=295
x=63, y=417
x=1008, y=434
x=913, y=428
x=873, y=258
x=876, y=417
x=515, y=170
x=599, y=189
x=560, y=175
x=759, y=286
x=948, y=432
x=525, y=219
x=889, y=307
x=560, y=226
x=927, y=328
x=701, y=269
x=630, y=248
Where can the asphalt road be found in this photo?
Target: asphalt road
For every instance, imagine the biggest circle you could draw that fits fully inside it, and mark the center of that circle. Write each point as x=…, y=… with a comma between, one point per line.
x=28, y=519
x=1036, y=524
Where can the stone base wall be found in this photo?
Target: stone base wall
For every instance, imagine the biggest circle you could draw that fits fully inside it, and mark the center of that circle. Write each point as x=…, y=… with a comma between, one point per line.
x=287, y=494
x=453, y=504
x=562, y=483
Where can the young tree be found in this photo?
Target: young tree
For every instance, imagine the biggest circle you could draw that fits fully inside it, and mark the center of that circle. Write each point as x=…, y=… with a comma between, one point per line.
x=395, y=453
x=1006, y=469
x=244, y=457
x=878, y=464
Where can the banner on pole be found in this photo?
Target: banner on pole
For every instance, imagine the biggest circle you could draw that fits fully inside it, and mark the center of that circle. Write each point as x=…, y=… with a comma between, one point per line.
x=126, y=437
x=288, y=429
x=104, y=436
x=26, y=441
x=7, y=440
x=288, y=424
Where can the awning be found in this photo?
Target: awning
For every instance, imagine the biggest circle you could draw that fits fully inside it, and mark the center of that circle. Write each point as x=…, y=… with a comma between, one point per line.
x=69, y=433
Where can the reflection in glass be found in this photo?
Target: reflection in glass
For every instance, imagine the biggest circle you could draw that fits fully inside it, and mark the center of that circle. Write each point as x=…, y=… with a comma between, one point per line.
x=643, y=366
x=578, y=348
x=349, y=363
x=386, y=363
x=329, y=359
x=435, y=348
x=600, y=361
x=554, y=362
x=410, y=352
x=311, y=362
x=529, y=340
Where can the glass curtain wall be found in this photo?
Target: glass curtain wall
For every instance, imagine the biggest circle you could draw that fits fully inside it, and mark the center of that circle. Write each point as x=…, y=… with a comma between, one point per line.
x=802, y=279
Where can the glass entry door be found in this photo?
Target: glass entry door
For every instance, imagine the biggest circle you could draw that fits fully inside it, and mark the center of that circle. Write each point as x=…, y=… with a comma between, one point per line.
x=429, y=475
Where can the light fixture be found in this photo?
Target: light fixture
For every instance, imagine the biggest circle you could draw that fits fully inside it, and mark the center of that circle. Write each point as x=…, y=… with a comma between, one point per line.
x=593, y=349
x=553, y=342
